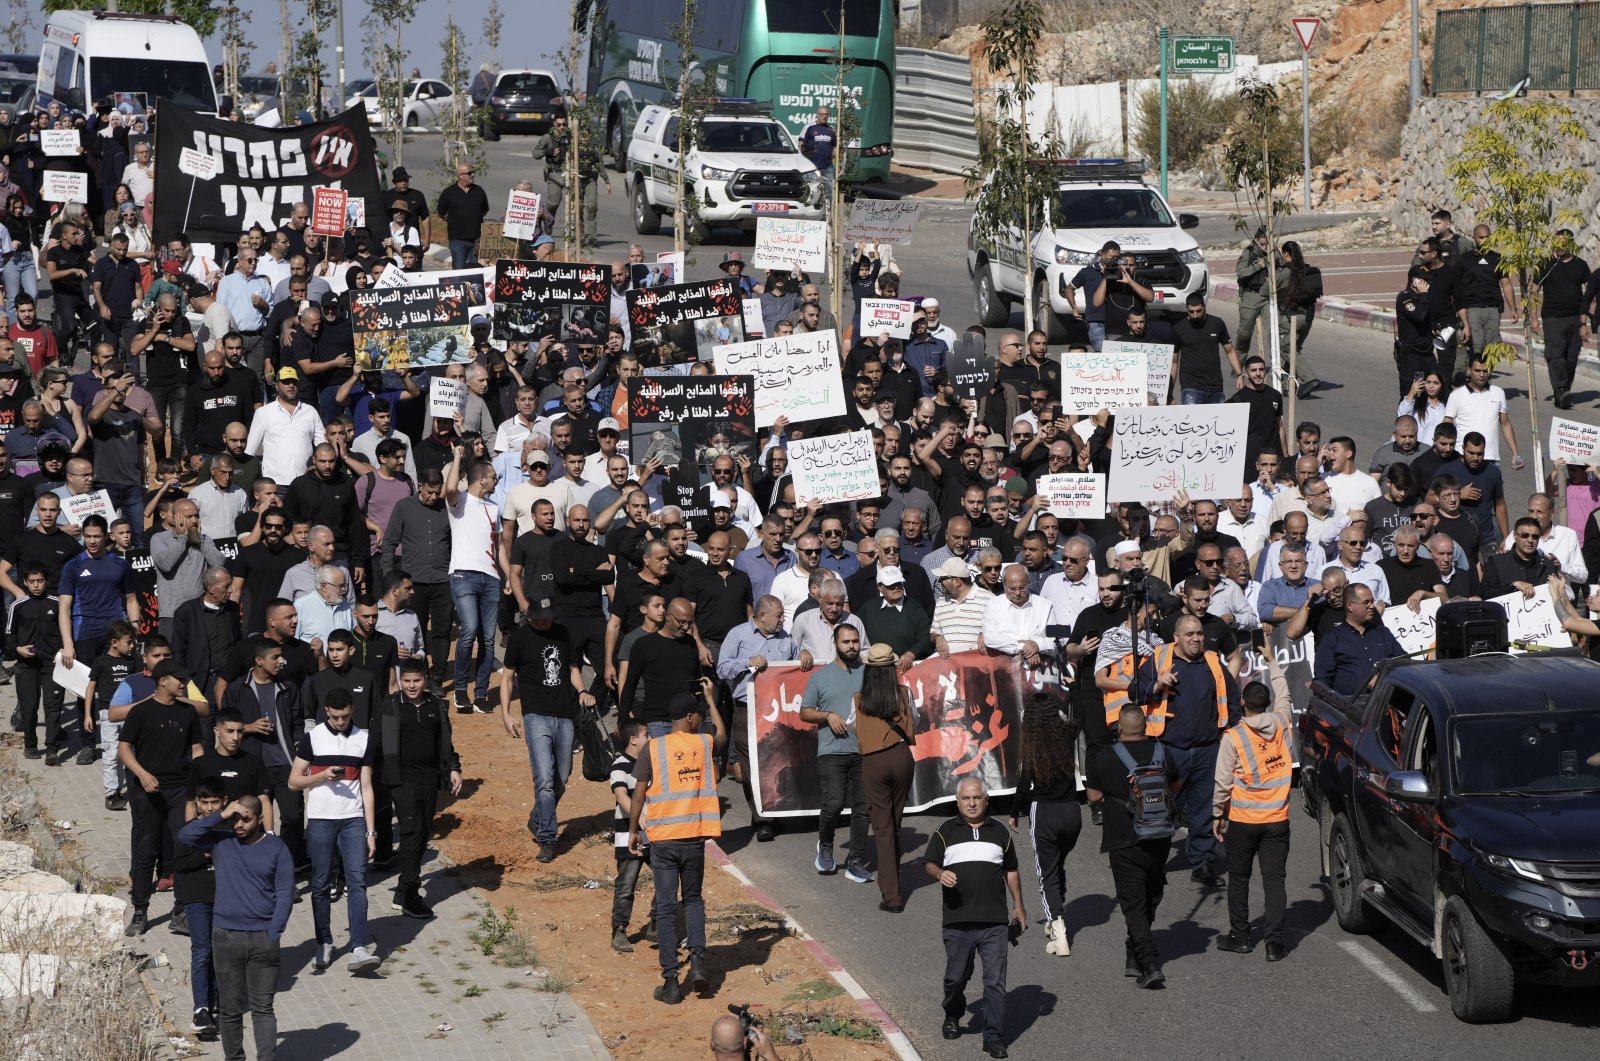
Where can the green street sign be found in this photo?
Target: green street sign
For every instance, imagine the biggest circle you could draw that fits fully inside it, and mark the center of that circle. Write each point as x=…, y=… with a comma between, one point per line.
x=1202, y=55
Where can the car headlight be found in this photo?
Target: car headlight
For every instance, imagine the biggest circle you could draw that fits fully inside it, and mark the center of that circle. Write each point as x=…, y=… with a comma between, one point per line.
x=813, y=177
x=1192, y=257
x=1067, y=256
x=711, y=173
x=1511, y=867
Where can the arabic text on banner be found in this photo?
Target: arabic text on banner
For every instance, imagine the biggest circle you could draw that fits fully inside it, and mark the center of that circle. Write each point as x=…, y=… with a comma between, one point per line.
x=1091, y=382
x=784, y=242
x=882, y=221
x=1157, y=452
x=833, y=468
x=797, y=376
x=446, y=397
x=1532, y=620
x=1417, y=631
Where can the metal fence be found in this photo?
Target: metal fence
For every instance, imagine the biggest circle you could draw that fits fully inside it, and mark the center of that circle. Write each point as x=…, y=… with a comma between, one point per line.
x=934, y=124
x=1556, y=47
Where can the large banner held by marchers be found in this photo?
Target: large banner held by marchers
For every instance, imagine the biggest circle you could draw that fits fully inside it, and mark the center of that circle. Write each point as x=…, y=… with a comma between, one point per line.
x=968, y=711
x=262, y=172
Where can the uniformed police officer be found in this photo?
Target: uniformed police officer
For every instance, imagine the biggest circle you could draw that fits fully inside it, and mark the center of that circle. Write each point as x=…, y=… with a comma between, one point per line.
x=1251, y=271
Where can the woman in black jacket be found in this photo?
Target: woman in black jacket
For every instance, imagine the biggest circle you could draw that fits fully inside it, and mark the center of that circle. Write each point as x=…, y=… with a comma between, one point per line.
x=1047, y=791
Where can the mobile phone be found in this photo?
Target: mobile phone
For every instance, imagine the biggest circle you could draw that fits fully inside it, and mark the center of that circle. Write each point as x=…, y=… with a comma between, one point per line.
x=1416, y=377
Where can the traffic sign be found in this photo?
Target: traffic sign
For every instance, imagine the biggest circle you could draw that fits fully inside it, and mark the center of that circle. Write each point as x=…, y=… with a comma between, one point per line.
x=1306, y=30
x=1203, y=55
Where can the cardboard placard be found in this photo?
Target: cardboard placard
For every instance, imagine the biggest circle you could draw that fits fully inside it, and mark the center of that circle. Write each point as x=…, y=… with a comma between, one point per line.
x=1533, y=620
x=797, y=375
x=833, y=468
x=59, y=142
x=883, y=221
x=1417, y=631
x=1157, y=452
x=328, y=214
x=1091, y=382
x=446, y=397
x=522, y=215
x=1159, y=359
x=785, y=242
x=886, y=315
x=63, y=186
x=75, y=508
x=198, y=164
x=1573, y=442
x=1074, y=495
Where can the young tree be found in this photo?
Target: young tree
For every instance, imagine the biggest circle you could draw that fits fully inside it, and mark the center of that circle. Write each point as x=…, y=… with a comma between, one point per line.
x=461, y=124
x=493, y=27
x=847, y=130
x=693, y=101
x=236, y=46
x=1012, y=179
x=385, y=20
x=306, y=67
x=1508, y=169
x=19, y=26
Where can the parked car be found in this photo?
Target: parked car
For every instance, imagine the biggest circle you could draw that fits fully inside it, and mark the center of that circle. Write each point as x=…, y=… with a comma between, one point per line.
x=426, y=102
x=523, y=101
x=26, y=64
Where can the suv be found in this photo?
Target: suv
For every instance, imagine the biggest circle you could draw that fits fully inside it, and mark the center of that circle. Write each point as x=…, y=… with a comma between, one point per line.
x=746, y=166
x=523, y=101
x=1096, y=200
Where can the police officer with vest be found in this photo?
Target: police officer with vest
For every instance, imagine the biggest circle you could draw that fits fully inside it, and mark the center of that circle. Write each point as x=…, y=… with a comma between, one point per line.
x=1251, y=272
x=677, y=775
x=552, y=146
x=1250, y=811
x=1190, y=699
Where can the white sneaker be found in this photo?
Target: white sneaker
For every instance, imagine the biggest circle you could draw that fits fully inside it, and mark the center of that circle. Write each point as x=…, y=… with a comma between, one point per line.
x=362, y=959
x=324, y=956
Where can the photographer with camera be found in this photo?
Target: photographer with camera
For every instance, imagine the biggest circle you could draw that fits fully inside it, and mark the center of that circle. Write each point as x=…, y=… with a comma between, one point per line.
x=736, y=1034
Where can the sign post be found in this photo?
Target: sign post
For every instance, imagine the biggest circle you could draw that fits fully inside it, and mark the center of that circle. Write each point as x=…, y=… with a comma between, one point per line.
x=1306, y=30
x=1161, y=37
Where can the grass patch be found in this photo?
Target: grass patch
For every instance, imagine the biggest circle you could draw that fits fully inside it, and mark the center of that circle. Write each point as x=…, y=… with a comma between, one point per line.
x=503, y=938
x=805, y=1023
x=815, y=991
x=494, y=1018
x=551, y=983
x=474, y=992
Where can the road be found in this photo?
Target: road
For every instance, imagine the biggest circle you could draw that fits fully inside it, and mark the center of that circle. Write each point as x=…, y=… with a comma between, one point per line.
x=1335, y=996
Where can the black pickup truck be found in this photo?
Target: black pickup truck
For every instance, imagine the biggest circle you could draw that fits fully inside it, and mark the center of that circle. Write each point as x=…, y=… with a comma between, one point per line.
x=1460, y=799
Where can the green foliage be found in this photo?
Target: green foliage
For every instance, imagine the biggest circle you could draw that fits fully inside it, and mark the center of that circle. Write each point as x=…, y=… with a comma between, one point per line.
x=1196, y=120
x=201, y=14
x=694, y=99
x=1257, y=158
x=236, y=46
x=384, y=22
x=494, y=24
x=460, y=125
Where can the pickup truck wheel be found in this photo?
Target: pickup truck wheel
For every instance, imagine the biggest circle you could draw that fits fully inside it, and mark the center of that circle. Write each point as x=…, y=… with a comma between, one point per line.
x=992, y=309
x=1046, y=319
x=646, y=219
x=1477, y=975
x=1347, y=873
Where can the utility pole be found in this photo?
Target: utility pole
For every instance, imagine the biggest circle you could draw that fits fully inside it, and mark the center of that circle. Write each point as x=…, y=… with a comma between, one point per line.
x=338, y=50
x=836, y=193
x=1162, y=38
x=1416, y=56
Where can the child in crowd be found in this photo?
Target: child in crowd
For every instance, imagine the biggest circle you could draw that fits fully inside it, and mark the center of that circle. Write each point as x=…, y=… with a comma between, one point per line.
x=105, y=675
x=632, y=735
x=195, y=886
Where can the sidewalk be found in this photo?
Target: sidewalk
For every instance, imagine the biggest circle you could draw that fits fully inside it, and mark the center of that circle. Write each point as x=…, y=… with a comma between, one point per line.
x=433, y=974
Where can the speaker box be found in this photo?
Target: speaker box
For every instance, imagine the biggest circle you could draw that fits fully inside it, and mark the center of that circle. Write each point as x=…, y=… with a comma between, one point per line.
x=1470, y=628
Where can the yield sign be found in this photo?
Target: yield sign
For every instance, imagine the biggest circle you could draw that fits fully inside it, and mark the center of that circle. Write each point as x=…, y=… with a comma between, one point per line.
x=1306, y=30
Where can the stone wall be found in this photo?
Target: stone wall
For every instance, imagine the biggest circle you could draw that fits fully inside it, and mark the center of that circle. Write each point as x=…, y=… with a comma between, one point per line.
x=1424, y=188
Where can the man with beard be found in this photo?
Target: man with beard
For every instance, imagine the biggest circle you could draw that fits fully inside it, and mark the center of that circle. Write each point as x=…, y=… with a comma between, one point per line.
x=902, y=495
x=217, y=400
x=326, y=496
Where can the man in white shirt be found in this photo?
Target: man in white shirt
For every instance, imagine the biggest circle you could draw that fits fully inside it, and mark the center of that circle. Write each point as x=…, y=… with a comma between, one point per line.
x=219, y=500
x=140, y=174
x=1236, y=598
x=284, y=432
x=1555, y=541
x=813, y=629
x=1240, y=519
x=1073, y=588
x=274, y=264
x=539, y=485
x=723, y=473
x=511, y=434
x=792, y=586
x=1352, y=543
x=958, y=618
x=479, y=563
x=930, y=309
x=1481, y=406
x=1352, y=488
x=1014, y=623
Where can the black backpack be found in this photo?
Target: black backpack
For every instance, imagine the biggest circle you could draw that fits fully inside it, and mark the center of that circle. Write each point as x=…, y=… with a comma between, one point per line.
x=1151, y=806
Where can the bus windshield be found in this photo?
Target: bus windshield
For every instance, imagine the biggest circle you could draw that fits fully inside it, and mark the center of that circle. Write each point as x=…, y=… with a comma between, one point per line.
x=860, y=17
x=188, y=84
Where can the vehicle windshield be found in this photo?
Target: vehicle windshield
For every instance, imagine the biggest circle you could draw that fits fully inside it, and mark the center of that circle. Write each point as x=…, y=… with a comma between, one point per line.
x=188, y=84
x=1111, y=208
x=1544, y=754
x=523, y=84
x=746, y=137
x=12, y=86
x=860, y=17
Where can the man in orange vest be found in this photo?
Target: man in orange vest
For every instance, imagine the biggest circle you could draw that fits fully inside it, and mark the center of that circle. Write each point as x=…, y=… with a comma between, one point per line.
x=1250, y=810
x=677, y=775
x=1190, y=699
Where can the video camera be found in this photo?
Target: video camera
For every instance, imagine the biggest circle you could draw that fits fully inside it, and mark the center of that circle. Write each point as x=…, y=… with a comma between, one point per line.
x=747, y=1020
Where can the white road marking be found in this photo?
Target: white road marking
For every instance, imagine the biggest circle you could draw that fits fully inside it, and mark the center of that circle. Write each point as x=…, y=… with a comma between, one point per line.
x=1376, y=966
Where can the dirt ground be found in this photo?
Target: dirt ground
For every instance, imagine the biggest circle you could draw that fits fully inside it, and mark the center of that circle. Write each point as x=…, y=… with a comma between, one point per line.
x=565, y=909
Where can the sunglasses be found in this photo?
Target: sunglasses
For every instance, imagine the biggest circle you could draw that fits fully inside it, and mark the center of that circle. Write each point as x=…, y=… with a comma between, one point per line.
x=1362, y=542
x=809, y=552
x=987, y=567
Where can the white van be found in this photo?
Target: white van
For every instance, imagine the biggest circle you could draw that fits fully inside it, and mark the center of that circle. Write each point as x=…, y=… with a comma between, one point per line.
x=133, y=60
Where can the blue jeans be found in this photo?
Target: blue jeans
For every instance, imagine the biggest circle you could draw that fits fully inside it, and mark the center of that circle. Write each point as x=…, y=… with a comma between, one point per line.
x=477, y=599
x=652, y=730
x=550, y=755
x=129, y=500
x=1097, y=334
x=463, y=252
x=1195, y=769
x=1195, y=396
x=349, y=836
x=20, y=276
x=202, y=976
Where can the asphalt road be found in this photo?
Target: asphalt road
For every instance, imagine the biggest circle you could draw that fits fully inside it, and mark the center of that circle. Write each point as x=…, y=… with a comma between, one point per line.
x=1335, y=996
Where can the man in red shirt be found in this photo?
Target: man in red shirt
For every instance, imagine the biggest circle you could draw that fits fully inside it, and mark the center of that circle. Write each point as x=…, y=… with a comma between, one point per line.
x=33, y=340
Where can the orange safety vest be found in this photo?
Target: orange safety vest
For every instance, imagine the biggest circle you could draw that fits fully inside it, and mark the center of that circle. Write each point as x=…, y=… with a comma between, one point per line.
x=1155, y=712
x=681, y=802
x=1260, y=792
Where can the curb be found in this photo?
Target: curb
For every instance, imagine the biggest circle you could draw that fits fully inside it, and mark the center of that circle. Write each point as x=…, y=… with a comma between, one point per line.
x=897, y=1039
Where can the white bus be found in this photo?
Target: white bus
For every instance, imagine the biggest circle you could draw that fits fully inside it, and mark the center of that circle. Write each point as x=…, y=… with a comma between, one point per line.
x=133, y=60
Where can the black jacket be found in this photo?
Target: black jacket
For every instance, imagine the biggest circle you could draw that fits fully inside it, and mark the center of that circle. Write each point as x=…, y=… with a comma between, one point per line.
x=35, y=621
x=280, y=746
x=386, y=728
x=193, y=647
x=332, y=505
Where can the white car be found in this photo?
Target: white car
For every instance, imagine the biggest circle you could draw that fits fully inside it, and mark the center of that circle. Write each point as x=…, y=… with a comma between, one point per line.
x=746, y=166
x=426, y=104
x=1096, y=202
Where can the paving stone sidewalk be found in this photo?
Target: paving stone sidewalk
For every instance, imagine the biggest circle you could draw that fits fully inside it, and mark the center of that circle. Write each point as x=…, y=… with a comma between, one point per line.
x=433, y=974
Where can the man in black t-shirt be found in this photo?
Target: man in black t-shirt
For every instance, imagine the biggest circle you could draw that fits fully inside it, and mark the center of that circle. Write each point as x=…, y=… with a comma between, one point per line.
x=973, y=859
x=43, y=544
x=1485, y=293
x=1199, y=339
x=67, y=265
x=1265, y=430
x=258, y=570
x=167, y=344
x=218, y=399
x=240, y=773
x=159, y=738
x=1559, y=292
x=1138, y=867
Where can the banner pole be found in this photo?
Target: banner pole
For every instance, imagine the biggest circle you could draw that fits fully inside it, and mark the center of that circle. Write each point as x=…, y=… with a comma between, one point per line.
x=193, y=180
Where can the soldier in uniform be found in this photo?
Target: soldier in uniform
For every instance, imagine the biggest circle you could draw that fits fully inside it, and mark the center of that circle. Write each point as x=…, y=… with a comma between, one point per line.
x=553, y=147
x=1251, y=271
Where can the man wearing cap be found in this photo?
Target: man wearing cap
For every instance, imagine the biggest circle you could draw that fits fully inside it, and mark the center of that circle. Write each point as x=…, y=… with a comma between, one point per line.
x=896, y=620
x=942, y=332
x=959, y=617
x=677, y=810
x=416, y=203
x=517, y=516
x=401, y=232
x=284, y=432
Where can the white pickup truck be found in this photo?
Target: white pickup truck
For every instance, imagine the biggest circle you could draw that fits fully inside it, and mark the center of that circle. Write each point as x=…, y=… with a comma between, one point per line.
x=1096, y=200
x=745, y=166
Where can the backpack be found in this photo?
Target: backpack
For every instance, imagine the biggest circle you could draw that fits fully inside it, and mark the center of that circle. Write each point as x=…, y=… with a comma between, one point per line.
x=1151, y=806
x=599, y=750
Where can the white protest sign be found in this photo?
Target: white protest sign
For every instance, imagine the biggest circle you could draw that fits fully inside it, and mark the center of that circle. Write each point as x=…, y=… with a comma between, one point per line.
x=1532, y=620
x=392, y=276
x=754, y=326
x=785, y=242
x=1091, y=382
x=59, y=141
x=1573, y=442
x=522, y=215
x=882, y=221
x=75, y=508
x=74, y=679
x=198, y=164
x=446, y=397
x=833, y=468
x=891, y=315
x=1158, y=357
x=1415, y=630
x=1074, y=495
x=1157, y=452
x=797, y=376
x=63, y=186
